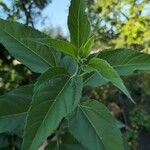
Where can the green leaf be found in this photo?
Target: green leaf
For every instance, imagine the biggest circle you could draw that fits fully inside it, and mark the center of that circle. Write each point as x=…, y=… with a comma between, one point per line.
x=94, y=80
x=125, y=61
x=3, y=141
x=63, y=46
x=94, y=127
x=87, y=48
x=108, y=73
x=53, y=145
x=126, y=144
x=68, y=143
x=8, y=141
x=34, y=55
x=56, y=94
x=13, y=124
x=69, y=64
x=13, y=108
x=78, y=23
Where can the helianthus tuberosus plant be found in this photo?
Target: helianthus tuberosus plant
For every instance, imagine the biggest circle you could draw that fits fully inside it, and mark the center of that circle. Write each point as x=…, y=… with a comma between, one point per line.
x=54, y=108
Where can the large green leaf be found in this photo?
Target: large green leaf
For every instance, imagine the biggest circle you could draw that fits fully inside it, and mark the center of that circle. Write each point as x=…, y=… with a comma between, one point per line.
x=63, y=46
x=108, y=73
x=78, y=23
x=34, y=55
x=56, y=94
x=94, y=127
x=125, y=61
x=13, y=108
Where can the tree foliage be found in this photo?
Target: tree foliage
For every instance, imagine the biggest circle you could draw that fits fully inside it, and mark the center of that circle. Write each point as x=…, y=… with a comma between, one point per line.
x=124, y=23
x=25, y=10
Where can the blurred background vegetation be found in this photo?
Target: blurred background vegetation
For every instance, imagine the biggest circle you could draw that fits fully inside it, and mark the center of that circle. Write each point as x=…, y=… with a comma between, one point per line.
x=116, y=24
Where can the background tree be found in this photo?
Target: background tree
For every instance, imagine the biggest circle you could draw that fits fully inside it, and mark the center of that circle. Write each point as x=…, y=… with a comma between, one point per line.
x=26, y=10
x=121, y=23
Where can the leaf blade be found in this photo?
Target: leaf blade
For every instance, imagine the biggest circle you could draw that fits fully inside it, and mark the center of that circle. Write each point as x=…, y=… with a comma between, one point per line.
x=87, y=48
x=108, y=73
x=54, y=91
x=97, y=129
x=68, y=143
x=126, y=61
x=63, y=46
x=120, y=60
x=13, y=108
x=35, y=56
x=78, y=23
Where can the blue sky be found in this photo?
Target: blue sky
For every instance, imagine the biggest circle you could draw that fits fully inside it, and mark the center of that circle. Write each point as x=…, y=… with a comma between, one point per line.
x=57, y=13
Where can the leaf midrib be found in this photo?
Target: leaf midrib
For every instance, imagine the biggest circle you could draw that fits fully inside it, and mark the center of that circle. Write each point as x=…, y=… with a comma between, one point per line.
x=12, y=115
x=80, y=106
x=49, y=45
x=88, y=78
x=128, y=65
x=26, y=46
x=78, y=24
x=52, y=106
